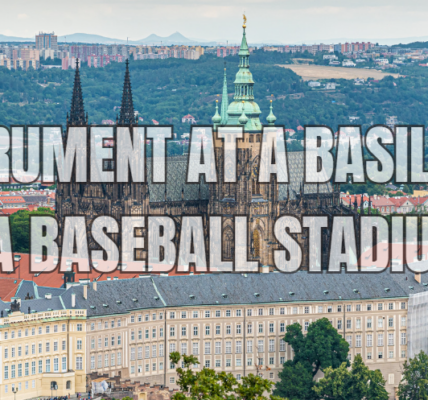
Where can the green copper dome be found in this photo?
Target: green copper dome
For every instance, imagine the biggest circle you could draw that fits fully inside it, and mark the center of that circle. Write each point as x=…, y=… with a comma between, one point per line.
x=243, y=118
x=271, y=117
x=244, y=93
x=217, y=118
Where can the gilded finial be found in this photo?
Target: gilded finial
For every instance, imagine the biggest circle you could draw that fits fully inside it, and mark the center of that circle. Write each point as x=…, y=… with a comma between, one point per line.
x=216, y=101
x=245, y=21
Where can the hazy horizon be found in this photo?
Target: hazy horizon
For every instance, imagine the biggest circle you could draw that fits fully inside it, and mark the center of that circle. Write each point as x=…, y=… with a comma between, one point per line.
x=280, y=21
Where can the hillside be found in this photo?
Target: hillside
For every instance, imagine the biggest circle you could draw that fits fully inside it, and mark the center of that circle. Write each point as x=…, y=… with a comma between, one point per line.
x=413, y=45
x=166, y=90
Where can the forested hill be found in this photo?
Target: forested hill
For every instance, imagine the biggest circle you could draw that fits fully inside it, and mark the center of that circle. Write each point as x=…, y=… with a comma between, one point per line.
x=413, y=45
x=166, y=90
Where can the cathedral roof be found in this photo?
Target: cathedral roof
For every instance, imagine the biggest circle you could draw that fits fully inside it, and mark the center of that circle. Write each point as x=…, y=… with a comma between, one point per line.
x=176, y=181
x=176, y=171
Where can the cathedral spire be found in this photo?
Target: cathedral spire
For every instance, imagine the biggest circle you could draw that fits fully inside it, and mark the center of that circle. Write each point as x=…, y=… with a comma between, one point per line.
x=77, y=111
x=224, y=100
x=126, y=116
x=244, y=91
x=216, y=119
x=271, y=117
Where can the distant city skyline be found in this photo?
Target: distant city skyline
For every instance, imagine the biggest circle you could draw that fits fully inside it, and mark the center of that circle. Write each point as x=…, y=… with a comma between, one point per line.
x=268, y=21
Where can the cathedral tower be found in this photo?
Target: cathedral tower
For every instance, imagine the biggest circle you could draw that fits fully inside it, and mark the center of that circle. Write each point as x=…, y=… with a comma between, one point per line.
x=77, y=115
x=127, y=116
x=246, y=196
x=244, y=103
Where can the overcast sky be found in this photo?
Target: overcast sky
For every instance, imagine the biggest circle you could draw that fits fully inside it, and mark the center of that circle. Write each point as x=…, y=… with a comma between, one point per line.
x=285, y=21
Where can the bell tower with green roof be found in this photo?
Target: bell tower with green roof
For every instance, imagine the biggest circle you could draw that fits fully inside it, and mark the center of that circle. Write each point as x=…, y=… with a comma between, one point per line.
x=244, y=93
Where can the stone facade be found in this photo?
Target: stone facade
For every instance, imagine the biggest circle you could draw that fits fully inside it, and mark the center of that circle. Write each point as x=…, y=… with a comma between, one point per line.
x=242, y=339
x=42, y=354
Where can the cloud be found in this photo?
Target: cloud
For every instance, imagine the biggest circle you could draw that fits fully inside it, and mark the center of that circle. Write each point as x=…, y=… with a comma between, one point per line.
x=22, y=16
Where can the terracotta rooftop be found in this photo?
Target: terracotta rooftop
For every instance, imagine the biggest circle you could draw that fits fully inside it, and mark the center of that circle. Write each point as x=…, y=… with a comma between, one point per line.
x=8, y=287
x=56, y=279
x=9, y=211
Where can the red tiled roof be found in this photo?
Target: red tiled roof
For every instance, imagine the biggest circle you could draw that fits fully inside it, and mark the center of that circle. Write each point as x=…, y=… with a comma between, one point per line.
x=382, y=202
x=351, y=199
x=9, y=211
x=8, y=287
x=385, y=251
x=398, y=201
x=11, y=199
x=416, y=201
x=56, y=278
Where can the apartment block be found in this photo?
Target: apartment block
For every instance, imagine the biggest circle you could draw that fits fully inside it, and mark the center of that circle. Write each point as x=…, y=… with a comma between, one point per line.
x=46, y=41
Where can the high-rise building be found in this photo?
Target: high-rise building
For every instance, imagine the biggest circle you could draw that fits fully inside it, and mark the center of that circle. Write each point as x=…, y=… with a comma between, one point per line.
x=46, y=41
x=30, y=54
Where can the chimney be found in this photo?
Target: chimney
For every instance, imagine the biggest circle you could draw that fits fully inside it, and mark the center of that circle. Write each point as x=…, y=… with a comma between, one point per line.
x=73, y=300
x=85, y=291
x=94, y=285
x=418, y=277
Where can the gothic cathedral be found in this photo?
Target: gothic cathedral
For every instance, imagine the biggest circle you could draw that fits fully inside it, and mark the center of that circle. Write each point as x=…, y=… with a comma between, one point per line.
x=262, y=203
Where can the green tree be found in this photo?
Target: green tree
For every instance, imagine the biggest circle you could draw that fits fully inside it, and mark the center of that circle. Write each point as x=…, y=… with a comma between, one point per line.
x=414, y=384
x=210, y=385
x=358, y=383
x=295, y=382
x=322, y=347
x=20, y=228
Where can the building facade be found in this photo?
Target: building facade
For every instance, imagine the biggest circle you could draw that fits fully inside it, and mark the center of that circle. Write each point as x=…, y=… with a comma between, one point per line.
x=42, y=353
x=61, y=338
x=236, y=323
x=46, y=41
